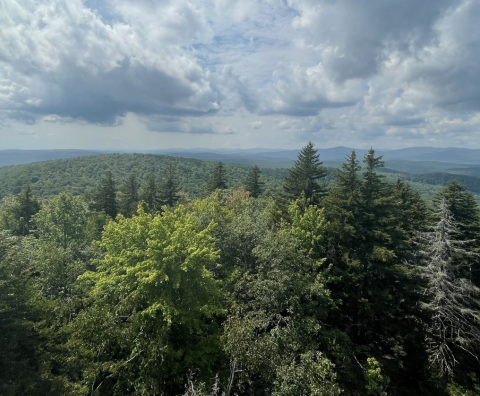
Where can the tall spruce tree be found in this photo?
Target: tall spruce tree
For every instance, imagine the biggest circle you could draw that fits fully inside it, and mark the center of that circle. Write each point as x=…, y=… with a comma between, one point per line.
x=128, y=196
x=303, y=177
x=218, y=180
x=367, y=249
x=106, y=197
x=466, y=213
x=26, y=206
x=253, y=184
x=169, y=187
x=453, y=301
x=149, y=195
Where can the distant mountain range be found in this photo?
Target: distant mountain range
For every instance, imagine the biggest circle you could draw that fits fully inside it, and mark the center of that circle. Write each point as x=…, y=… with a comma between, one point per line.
x=272, y=158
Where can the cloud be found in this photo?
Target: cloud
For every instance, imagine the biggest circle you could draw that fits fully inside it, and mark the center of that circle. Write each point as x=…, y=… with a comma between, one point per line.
x=64, y=59
x=255, y=124
x=343, y=71
x=305, y=92
x=187, y=125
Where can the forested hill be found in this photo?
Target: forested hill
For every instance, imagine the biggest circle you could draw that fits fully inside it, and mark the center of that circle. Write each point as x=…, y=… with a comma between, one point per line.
x=78, y=175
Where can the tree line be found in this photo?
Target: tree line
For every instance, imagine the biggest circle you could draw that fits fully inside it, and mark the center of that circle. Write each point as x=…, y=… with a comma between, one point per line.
x=355, y=289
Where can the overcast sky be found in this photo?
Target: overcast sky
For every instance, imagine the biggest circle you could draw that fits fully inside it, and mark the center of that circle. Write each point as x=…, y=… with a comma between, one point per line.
x=151, y=74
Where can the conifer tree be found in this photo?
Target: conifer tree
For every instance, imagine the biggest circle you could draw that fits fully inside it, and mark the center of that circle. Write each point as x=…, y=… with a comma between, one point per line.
x=169, y=187
x=303, y=177
x=466, y=213
x=218, y=180
x=149, y=195
x=367, y=249
x=128, y=197
x=26, y=206
x=106, y=199
x=453, y=302
x=253, y=184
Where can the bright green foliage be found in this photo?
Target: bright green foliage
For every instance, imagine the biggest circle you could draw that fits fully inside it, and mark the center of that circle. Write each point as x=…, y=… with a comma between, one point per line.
x=218, y=179
x=376, y=381
x=212, y=297
x=303, y=177
x=253, y=184
x=106, y=196
x=153, y=306
x=169, y=187
x=308, y=225
x=128, y=196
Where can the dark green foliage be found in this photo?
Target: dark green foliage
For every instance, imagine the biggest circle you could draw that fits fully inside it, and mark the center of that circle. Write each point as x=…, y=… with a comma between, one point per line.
x=169, y=187
x=149, y=195
x=253, y=184
x=128, y=196
x=19, y=363
x=338, y=295
x=303, y=177
x=218, y=179
x=368, y=250
x=78, y=175
x=106, y=197
x=17, y=212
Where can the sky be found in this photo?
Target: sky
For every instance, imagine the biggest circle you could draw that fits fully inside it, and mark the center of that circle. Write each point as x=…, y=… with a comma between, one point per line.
x=146, y=74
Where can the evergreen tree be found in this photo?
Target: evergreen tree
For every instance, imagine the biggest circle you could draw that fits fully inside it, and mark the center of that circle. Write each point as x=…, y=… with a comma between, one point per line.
x=453, y=302
x=367, y=249
x=26, y=206
x=128, y=197
x=342, y=204
x=253, y=184
x=149, y=195
x=218, y=180
x=466, y=213
x=169, y=187
x=303, y=177
x=106, y=199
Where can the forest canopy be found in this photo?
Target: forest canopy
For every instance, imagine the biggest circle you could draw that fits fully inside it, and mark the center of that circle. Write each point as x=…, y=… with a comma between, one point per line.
x=208, y=279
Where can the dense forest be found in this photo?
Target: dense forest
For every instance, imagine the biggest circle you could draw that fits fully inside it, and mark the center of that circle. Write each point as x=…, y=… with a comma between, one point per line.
x=182, y=277
x=79, y=175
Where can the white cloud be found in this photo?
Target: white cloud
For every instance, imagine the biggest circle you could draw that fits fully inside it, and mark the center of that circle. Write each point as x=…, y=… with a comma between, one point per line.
x=255, y=124
x=343, y=72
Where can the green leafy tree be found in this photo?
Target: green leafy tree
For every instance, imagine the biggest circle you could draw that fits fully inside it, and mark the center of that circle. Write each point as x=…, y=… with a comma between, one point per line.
x=303, y=177
x=62, y=220
x=218, y=179
x=169, y=187
x=106, y=197
x=152, y=307
x=274, y=332
x=61, y=253
x=128, y=196
x=253, y=184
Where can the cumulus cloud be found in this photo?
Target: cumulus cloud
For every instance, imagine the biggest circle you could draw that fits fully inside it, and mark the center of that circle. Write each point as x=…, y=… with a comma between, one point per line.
x=337, y=71
x=62, y=58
